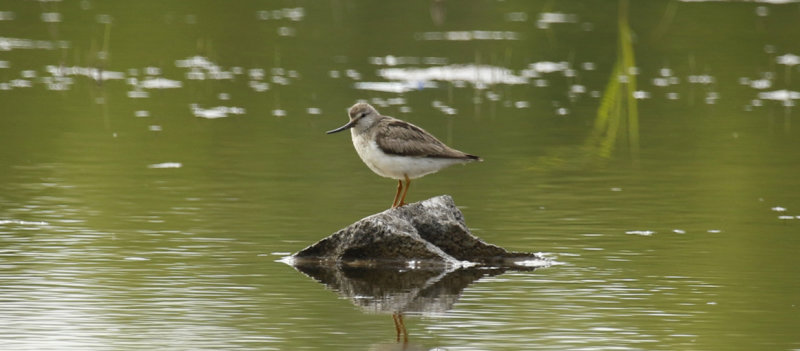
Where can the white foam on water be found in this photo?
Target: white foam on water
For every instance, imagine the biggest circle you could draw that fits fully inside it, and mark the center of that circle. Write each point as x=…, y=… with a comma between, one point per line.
x=475, y=74
x=166, y=165
x=160, y=83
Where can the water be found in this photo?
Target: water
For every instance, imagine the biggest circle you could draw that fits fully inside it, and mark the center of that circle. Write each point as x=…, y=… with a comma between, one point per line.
x=159, y=159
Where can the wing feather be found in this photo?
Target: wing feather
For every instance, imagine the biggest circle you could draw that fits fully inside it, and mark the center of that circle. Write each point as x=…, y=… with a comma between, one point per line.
x=405, y=139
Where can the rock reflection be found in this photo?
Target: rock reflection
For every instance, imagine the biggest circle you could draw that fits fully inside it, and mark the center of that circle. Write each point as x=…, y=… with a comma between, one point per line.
x=396, y=291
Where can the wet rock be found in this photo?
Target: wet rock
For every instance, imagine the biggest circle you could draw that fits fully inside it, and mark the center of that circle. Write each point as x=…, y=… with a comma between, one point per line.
x=429, y=232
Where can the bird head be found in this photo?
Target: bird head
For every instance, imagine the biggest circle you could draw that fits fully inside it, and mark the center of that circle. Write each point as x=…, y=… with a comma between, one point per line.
x=362, y=115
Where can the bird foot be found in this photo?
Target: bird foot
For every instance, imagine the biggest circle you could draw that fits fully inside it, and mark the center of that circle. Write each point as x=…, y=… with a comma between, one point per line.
x=399, y=205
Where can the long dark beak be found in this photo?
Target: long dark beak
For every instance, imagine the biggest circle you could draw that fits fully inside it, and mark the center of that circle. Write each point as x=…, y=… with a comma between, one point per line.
x=346, y=126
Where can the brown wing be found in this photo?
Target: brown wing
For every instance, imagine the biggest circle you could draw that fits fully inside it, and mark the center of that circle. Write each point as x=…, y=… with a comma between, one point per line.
x=405, y=139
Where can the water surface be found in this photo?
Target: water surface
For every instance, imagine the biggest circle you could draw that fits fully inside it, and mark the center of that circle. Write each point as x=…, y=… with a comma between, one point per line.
x=159, y=158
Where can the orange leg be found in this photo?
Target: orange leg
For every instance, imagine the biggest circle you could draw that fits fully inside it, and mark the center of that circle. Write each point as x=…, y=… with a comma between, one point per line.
x=396, y=325
x=397, y=195
x=400, y=326
x=405, y=191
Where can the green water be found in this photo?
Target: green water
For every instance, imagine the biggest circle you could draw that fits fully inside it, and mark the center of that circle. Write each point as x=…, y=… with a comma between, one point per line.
x=129, y=220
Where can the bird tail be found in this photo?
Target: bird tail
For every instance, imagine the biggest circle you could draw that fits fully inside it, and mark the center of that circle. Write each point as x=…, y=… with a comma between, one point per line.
x=474, y=158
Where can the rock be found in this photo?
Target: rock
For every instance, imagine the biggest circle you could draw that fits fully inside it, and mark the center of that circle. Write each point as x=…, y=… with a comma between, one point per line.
x=429, y=232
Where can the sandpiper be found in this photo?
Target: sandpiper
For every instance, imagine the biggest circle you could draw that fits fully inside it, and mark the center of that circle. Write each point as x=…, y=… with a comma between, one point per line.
x=397, y=149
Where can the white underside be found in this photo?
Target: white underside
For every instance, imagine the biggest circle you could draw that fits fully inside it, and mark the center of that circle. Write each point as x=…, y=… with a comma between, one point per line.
x=397, y=167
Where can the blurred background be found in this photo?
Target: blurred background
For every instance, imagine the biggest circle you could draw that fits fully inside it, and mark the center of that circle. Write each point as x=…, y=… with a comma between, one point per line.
x=157, y=158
